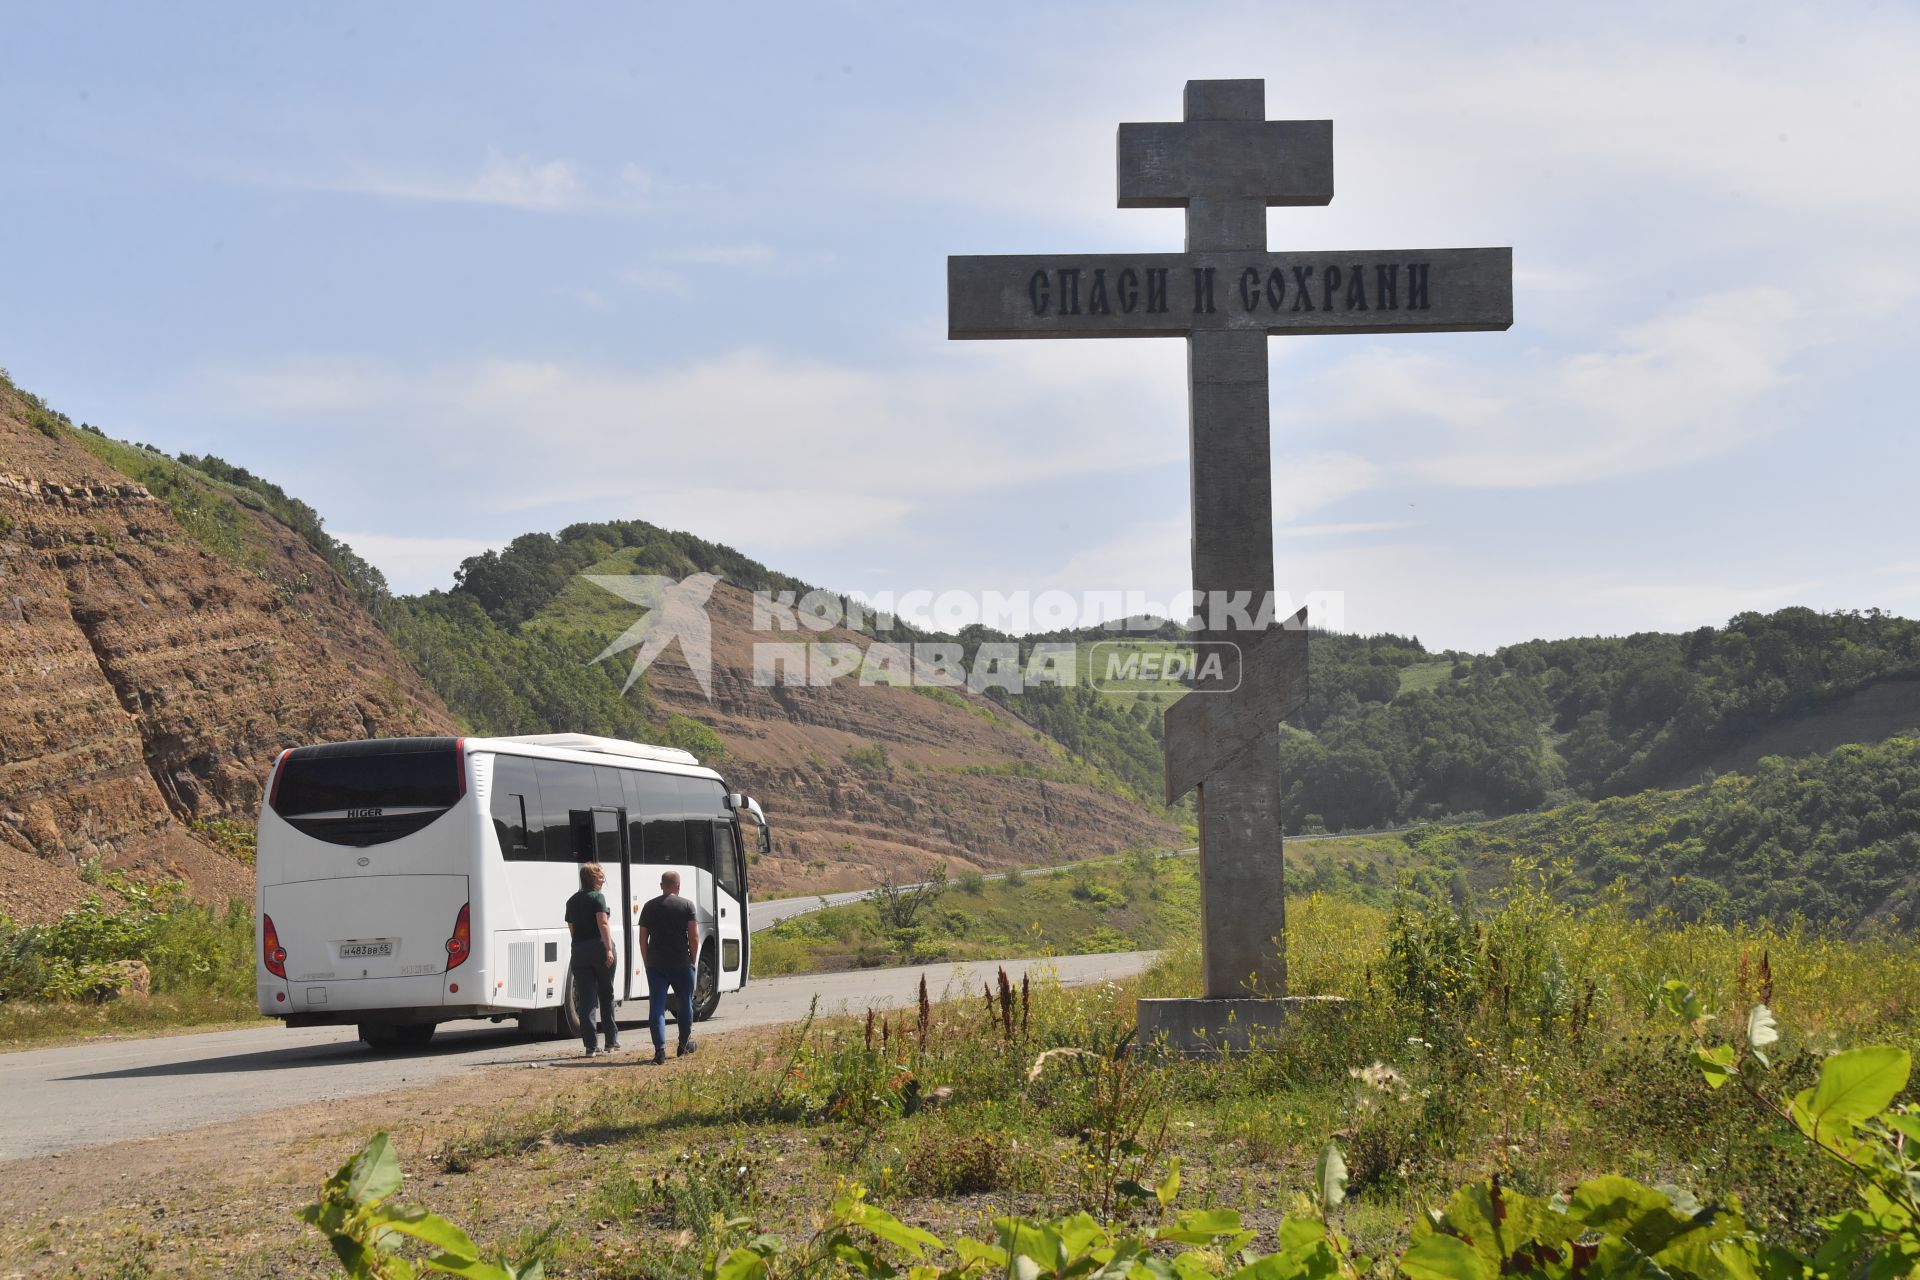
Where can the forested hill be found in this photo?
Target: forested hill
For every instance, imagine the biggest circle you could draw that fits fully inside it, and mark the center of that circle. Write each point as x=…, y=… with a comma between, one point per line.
x=1392, y=732
x=1555, y=720
x=1832, y=839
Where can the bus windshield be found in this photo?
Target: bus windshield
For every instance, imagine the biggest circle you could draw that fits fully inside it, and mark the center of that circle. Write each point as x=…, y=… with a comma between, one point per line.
x=367, y=793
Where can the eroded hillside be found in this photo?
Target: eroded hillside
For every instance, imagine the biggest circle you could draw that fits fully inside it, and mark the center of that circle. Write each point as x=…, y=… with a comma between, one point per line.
x=155, y=655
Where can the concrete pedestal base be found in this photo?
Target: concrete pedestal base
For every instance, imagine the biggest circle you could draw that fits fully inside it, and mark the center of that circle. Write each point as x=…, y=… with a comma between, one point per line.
x=1209, y=1028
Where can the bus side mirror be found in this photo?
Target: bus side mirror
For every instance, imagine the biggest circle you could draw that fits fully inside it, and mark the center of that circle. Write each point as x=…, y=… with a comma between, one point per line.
x=735, y=800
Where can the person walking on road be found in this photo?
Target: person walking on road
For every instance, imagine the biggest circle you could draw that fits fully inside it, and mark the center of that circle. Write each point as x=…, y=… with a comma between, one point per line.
x=592, y=958
x=669, y=940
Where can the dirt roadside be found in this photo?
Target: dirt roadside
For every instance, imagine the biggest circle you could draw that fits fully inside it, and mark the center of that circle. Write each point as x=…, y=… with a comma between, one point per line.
x=219, y=1200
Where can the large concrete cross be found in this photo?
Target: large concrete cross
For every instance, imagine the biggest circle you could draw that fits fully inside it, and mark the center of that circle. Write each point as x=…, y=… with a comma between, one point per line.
x=1225, y=164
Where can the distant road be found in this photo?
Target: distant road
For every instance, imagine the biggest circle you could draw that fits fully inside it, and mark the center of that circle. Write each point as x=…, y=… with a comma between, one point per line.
x=764, y=915
x=107, y=1091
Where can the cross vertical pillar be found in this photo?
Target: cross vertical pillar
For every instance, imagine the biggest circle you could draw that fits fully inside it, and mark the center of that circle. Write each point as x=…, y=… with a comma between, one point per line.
x=1242, y=871
x=1225, y=164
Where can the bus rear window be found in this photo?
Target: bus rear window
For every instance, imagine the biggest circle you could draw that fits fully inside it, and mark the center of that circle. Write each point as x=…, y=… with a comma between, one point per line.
x=366, y=793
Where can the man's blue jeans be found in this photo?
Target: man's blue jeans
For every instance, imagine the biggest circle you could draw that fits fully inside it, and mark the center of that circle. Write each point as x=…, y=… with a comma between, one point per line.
x=681, y=980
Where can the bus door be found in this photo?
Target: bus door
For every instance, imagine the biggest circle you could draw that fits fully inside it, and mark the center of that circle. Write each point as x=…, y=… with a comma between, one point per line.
x=730, y=924
x=611, y=851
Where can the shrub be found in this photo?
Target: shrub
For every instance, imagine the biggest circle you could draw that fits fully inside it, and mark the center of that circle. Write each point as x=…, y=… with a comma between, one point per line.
x=953, y=1160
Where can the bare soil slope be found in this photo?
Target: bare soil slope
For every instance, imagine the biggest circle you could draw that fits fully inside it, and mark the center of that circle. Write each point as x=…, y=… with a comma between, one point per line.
x=146, y=681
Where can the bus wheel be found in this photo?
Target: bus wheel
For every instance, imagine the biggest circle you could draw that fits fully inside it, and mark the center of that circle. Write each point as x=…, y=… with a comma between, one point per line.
x=384, y=1037
x=414, y=1035
x=566, y=1019
x=706, y=987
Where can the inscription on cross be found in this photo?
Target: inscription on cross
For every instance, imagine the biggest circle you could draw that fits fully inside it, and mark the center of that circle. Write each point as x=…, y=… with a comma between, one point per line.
x=1225, y=163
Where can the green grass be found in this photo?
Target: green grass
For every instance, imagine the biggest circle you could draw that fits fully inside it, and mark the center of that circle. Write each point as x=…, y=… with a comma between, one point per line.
x=1420, y=676
x=1531, y=1045
x=585, y=608
x=211, y=511
x=1135, y=903
x=38, y=1024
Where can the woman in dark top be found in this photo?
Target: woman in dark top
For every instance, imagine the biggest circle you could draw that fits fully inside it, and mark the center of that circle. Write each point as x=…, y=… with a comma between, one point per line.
x=592, y=959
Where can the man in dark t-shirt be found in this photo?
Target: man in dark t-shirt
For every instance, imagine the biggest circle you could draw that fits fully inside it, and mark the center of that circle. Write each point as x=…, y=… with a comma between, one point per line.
x=592, y=960
x=669, y=941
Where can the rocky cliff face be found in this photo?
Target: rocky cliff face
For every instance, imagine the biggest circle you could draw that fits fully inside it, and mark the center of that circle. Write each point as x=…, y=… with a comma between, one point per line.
x=147, y=681
x=860, y=780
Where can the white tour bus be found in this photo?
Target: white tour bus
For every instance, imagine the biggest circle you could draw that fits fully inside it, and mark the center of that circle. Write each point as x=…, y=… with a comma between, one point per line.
x=405, y=882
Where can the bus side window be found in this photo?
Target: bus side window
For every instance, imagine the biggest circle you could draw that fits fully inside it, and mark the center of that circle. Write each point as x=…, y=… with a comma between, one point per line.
x=514, y=818
x=567, y=795
x=655, y=801
x=700, y=845
x=666, y=842
x=636, y=815
x=726, y=865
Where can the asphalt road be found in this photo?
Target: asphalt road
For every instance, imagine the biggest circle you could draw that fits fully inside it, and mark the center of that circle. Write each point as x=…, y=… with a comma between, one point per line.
x=100, y=1092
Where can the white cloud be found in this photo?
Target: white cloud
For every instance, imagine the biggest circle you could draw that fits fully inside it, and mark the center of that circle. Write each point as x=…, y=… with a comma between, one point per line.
x=1679, y=606
x=822, y=450
x=649, y=280
x=1342, y=530
x=1690, y=383
x=508, y=181
x=724, y=255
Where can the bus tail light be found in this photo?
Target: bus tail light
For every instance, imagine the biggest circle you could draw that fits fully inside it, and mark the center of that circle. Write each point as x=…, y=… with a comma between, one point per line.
x=271, y=951
x=460, y=945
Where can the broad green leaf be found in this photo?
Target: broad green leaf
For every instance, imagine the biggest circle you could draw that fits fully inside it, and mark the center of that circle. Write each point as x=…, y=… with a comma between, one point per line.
x=1077, y=1235
x=1681, y=1000
x=471, y=1268
x=1201, y=1226
x=1902, y=1122
x=1301, y=1233
x=1628, y=1209
x=1700, y=1253
x=1616, y=1259
x=534, y=1269
x=428, y=1228
x=1762, y=1030
x=1440, y=1257
x=1855, y=1085
x=1497, y=1222
x=374, y=1174
x=1330, y=1178
x=971, y=1251
x=741, y=1264
x=895, y=1232
x=1170, y=1185
x=1716, y=1064
x=1023, y=1237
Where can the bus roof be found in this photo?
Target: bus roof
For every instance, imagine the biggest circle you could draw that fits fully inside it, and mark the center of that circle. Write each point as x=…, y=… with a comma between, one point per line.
x=590, y=744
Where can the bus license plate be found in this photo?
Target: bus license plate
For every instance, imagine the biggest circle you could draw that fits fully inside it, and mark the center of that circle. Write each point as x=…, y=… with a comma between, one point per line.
x=362, y=950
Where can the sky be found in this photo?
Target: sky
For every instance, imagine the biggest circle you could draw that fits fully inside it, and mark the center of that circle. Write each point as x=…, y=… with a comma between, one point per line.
x=453, y=273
